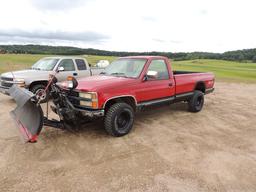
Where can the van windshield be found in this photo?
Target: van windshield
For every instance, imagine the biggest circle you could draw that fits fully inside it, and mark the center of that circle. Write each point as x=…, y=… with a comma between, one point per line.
x=45, y=64
x=126, y=67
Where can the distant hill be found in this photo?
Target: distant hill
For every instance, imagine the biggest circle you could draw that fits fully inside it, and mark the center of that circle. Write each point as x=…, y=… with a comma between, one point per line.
x=239, y=55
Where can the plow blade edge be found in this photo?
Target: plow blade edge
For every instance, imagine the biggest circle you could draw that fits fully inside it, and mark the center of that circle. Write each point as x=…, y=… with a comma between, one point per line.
x=28, y=116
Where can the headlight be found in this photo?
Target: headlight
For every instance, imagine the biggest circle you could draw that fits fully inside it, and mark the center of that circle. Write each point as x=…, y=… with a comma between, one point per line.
x=18, y=80
x=86, y=95
x=91, y=99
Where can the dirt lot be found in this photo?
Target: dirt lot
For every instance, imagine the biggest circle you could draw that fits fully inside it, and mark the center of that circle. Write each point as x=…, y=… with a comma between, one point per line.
x=168, y=150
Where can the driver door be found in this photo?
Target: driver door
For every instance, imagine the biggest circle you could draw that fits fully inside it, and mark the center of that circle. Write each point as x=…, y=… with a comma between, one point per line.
x=159, y=87
x=69, y=69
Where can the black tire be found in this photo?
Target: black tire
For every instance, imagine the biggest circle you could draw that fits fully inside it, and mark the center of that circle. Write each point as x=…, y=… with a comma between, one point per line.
x=119, y=119
x=196, y=102
x=36, y=89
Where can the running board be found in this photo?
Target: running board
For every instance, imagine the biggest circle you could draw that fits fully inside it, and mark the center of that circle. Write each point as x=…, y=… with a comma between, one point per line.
x=156, y=102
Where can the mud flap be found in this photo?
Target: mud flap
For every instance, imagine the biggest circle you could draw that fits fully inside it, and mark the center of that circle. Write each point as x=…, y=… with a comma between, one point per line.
x=28, y=116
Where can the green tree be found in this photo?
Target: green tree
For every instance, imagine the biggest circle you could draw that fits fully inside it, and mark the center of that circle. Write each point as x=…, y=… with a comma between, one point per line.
x=254, y=59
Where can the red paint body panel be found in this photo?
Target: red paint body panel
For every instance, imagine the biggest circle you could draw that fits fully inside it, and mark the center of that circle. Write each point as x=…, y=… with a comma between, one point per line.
x=109, y=87
x=187, y=82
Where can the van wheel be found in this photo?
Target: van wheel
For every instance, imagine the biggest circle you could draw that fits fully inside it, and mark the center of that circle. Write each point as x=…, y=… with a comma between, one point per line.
x=38, y=90
x=196, y=102
x=119, y=119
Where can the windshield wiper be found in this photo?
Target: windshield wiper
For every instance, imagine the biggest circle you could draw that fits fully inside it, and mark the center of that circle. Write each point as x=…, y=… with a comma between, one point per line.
x=119, y=74
x=35, y=68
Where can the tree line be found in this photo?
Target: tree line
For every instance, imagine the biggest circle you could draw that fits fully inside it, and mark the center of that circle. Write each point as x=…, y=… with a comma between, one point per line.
x=239, y=55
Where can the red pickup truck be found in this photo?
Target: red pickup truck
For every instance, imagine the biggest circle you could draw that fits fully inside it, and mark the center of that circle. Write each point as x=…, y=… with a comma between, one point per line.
x=128, y=85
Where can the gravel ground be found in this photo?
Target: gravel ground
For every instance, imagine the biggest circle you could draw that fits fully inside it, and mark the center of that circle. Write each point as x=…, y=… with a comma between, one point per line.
x=169, y=149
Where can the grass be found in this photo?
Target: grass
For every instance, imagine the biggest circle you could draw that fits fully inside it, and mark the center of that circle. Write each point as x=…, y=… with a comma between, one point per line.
x=93, y=59
x=10, y=62
x=224, y=70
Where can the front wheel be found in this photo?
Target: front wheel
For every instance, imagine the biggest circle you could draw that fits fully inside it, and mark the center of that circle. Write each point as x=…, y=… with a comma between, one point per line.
x=119, y=119
x=196, y=102
x=39, y=92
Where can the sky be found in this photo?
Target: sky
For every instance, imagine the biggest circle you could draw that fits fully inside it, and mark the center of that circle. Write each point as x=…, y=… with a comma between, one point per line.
x=131, y=25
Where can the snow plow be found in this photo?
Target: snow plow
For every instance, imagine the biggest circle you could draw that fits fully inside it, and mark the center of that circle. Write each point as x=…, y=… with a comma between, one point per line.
x=28, y=115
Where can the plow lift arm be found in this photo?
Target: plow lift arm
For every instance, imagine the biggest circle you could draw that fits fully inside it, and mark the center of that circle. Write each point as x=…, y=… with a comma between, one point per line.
x=28, y=115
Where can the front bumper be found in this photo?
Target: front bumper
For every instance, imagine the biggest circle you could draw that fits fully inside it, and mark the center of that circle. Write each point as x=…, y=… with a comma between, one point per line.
x=82, y=111
x=91, y=114
x=4, y=90
x=209, y=90
x=6, y=85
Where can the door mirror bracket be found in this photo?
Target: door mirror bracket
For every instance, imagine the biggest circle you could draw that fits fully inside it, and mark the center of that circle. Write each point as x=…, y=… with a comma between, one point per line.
x=150, y=75
x=60, y=69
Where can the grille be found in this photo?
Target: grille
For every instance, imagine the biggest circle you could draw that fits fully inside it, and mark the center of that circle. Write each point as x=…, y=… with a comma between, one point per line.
x=4, y=84
x=73, y=97
x=6, y=79
x=74, y=93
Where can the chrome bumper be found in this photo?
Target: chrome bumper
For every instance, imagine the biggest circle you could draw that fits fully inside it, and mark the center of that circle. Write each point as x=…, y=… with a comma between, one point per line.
x=4, y=90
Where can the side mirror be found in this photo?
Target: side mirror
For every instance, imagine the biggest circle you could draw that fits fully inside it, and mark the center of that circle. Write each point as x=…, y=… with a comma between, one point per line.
x=151, y=75
x=60, y=69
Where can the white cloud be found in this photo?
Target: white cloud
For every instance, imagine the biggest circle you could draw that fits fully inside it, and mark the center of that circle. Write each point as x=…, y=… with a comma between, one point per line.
x=53, y=5
x=131, y=25
x=86, y=36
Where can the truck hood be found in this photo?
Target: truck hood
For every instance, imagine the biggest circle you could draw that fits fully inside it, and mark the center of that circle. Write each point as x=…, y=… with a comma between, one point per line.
x=25, y=74
x=103, y=82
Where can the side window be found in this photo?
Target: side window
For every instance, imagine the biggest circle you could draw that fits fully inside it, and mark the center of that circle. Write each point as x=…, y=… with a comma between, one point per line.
x=68, y=65
x=160, y=67
x=80, y=64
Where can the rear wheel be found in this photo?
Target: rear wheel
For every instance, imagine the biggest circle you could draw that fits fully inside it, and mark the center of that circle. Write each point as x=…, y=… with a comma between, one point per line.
x=119, y=119
x=196, y=102
x=38, y=90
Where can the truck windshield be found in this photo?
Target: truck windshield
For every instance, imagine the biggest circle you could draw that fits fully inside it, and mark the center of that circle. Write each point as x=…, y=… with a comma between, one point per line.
x=126, y=67
x=45, y=64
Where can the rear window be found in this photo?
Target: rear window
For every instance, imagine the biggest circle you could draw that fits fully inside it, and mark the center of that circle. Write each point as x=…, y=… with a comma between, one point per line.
x=80, y=64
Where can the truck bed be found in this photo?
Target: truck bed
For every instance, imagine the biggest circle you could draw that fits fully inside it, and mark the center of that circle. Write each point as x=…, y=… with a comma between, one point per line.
x=183, y=72
x=186, y=80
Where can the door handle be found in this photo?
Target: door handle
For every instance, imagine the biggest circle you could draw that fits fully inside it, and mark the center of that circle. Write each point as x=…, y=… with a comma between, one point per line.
x=170, y=84
x=75, y=74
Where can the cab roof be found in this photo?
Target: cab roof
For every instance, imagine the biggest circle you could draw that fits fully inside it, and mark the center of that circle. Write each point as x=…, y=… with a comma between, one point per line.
x=63, y=57
x=144, y=57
